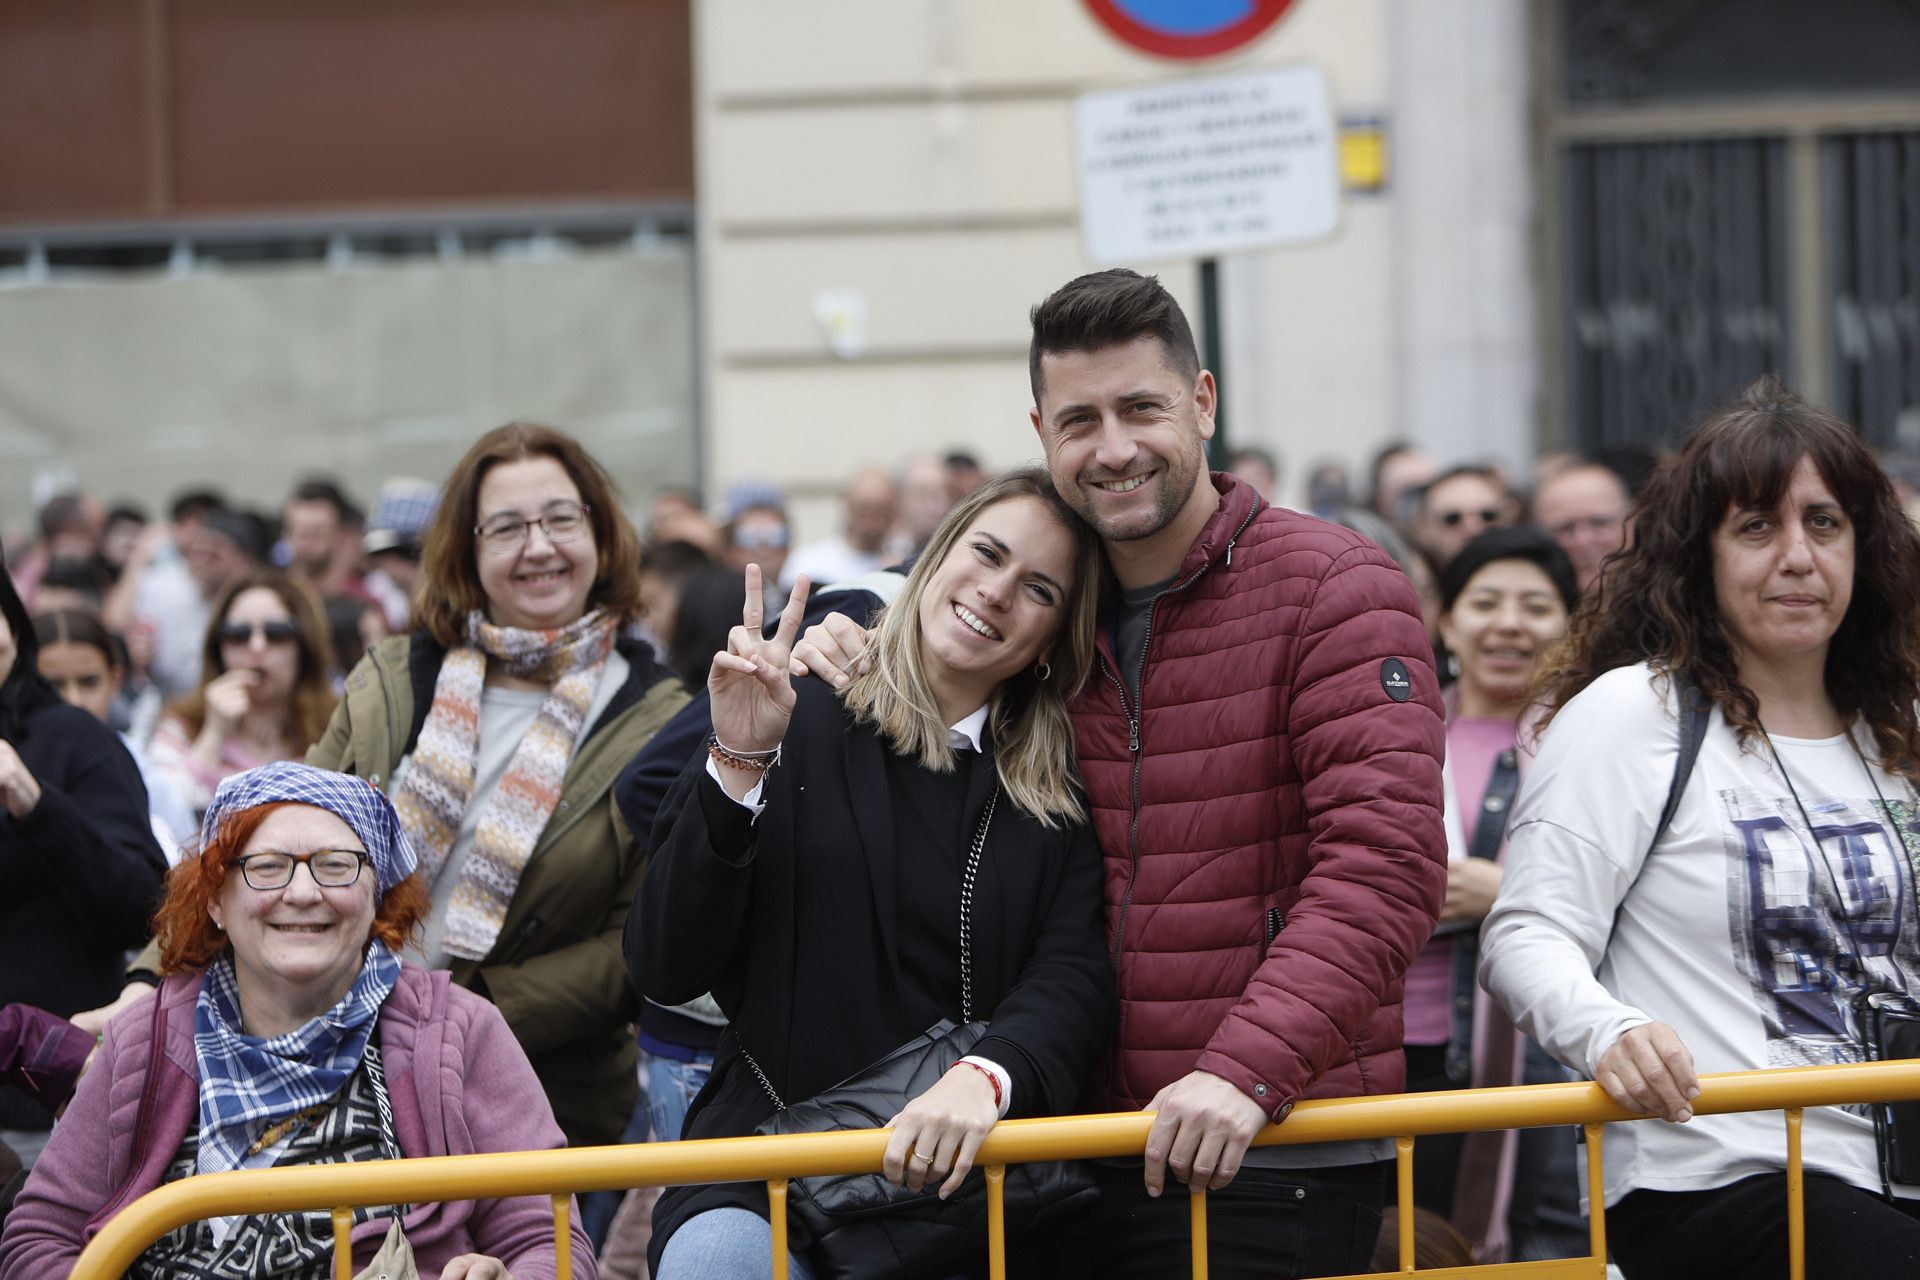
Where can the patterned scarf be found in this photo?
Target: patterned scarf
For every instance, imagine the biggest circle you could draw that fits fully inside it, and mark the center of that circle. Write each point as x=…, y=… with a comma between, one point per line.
x=245, y=1080
x=433, y=797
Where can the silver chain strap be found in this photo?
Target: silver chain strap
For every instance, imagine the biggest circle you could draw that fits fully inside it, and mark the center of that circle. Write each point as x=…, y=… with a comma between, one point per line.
x=966, y=906
x=967, y=876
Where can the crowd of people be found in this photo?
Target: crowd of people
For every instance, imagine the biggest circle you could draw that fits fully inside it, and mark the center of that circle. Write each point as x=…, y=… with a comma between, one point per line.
x=488, y=820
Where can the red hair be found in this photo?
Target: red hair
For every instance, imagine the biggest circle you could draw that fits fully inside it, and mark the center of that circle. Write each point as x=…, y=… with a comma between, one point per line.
x=184, y=923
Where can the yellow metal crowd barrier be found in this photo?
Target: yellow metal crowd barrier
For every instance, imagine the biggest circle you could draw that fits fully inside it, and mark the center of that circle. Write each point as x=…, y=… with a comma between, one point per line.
x=1402, y=1117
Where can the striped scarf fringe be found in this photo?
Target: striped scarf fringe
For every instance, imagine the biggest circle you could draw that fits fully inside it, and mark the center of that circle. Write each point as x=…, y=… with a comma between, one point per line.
x=432, y=799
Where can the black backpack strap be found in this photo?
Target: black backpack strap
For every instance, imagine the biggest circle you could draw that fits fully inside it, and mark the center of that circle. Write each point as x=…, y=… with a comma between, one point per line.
x=1695, y=715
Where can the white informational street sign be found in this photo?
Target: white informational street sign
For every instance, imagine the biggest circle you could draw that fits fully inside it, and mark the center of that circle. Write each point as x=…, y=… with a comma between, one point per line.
x=1199, y=167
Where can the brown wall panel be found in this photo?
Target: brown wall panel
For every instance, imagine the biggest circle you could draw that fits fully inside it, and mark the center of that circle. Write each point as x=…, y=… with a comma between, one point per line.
x=72, y=85
x=329, y=102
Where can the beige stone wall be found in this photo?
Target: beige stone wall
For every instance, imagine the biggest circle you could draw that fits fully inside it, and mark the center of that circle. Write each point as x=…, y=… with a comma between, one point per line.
x=919, y=153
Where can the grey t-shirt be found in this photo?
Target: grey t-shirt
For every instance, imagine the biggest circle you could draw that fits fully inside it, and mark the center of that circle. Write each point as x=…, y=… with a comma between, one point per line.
x=1130, y=633
x=505, y=717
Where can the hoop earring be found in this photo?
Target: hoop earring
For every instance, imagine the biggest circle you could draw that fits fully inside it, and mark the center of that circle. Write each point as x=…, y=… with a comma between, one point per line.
x=1042, y=670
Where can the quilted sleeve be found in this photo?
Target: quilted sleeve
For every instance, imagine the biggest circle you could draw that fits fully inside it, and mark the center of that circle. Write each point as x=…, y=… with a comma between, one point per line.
x=1367, y=734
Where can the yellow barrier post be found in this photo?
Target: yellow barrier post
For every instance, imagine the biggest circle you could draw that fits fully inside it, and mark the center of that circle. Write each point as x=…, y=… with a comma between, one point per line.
x=1597, y=1195
x=997, y=1221
x=562, y=1235
x=1796, y=1200
x=777, y=1218
x=1197, y=1209
x=1403, y=1212
x=343, y=1242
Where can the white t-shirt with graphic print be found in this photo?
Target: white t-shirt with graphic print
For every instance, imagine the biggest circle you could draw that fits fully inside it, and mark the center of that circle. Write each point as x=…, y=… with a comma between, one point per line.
x=1741, y=932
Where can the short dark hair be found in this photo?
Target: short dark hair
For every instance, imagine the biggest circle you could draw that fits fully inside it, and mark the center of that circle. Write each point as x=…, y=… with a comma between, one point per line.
x=319, y=489
x=195, y=504
x=1106, y=309
x=675, y=560
x=1515, y=542
x=63, y=512
x=1475, y=469
x=88, y=577
x=121, y=511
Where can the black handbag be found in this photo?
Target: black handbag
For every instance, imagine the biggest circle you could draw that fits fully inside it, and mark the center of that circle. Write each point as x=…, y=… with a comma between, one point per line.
x=1890, y=1029
x=861, y=1225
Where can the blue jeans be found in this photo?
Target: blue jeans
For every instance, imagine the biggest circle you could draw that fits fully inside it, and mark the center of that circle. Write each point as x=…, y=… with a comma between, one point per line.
x=724, y=1244
x=671, y=1086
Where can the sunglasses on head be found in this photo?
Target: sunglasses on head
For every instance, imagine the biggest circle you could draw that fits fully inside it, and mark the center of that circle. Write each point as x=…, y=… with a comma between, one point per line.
x=238, y=633
x=1453, y=519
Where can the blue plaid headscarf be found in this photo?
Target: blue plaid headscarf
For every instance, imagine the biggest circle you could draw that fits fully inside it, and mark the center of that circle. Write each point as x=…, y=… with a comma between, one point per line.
x=246, y=1082
x=355, y=801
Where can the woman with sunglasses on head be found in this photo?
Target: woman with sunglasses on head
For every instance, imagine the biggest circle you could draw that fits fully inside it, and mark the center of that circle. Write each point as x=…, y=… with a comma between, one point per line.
x=289, y=1033
x=1756, y=644
x=265, y=690
x=498, y=726
x=79, y=869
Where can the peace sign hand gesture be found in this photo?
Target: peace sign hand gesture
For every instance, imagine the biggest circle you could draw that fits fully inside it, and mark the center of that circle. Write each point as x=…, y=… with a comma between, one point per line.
x=751, y=691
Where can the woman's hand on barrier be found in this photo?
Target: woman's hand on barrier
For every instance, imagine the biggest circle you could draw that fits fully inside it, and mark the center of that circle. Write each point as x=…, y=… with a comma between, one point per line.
x=938, y=1133
x=1472, y=884
x=836, y=649
x=1650, y=1070
x=751, y=690
x=475, y=1266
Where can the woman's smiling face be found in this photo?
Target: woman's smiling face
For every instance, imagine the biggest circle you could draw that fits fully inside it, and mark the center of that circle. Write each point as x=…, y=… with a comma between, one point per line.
x=997, y=602
x=539, y=584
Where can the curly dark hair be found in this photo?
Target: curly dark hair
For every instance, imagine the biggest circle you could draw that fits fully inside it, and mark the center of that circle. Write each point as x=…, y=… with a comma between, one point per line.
x=1656, y=601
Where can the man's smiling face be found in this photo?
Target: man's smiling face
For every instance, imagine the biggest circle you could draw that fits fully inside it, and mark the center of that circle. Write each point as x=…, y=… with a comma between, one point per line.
x=1125, y=434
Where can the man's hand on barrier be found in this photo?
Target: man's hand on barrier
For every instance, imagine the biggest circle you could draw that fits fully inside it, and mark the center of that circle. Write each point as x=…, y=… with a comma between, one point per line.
x=835, y=649
x=475, y=1266
x=1201, y=1132
x=1650, y=1070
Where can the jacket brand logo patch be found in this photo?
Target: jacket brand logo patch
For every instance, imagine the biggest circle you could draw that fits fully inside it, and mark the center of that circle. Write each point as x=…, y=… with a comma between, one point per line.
x=1395, y=680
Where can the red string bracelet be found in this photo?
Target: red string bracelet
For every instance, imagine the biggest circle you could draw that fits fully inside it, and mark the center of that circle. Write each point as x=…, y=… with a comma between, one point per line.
x=992, y=1079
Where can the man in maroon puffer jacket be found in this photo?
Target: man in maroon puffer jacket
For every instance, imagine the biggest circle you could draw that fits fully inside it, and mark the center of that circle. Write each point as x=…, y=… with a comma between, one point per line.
x=1262, y=750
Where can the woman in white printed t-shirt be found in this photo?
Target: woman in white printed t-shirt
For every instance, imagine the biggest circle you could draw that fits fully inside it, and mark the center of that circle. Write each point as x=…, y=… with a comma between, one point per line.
x=1771, y=568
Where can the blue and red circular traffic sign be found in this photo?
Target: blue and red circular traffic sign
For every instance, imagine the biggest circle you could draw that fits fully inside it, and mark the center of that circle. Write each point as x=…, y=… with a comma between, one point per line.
x=1188, y=28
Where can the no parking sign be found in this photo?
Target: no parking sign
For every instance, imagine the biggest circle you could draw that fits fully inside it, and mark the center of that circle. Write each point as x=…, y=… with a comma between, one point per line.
x=1188, y=28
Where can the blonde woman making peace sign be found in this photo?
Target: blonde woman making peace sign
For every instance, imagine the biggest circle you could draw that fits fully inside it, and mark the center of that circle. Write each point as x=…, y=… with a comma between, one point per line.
x=809, y=867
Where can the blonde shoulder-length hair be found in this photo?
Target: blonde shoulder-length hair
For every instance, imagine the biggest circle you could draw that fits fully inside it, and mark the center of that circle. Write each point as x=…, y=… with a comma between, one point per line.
x=1032, y=733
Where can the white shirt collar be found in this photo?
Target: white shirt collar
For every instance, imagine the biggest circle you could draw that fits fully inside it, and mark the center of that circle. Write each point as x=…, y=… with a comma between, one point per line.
x=965, y=736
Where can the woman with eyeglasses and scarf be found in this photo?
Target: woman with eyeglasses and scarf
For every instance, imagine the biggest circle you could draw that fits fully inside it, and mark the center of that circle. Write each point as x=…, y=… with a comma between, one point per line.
x=288, y=1032
x=264, y=694
x=498, y=726
x=79, y=867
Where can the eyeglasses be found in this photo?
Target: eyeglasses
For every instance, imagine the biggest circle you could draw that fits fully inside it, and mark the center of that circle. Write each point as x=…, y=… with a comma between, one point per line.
x=330, y=868
x=239, y=633
x=561, y=522
x=1454, y=519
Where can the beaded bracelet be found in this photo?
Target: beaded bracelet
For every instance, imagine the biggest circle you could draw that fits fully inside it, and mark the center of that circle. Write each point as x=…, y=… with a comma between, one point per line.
x=755, y=761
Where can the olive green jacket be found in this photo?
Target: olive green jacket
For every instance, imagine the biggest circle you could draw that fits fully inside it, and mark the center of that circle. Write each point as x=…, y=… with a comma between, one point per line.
x=556, y=972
